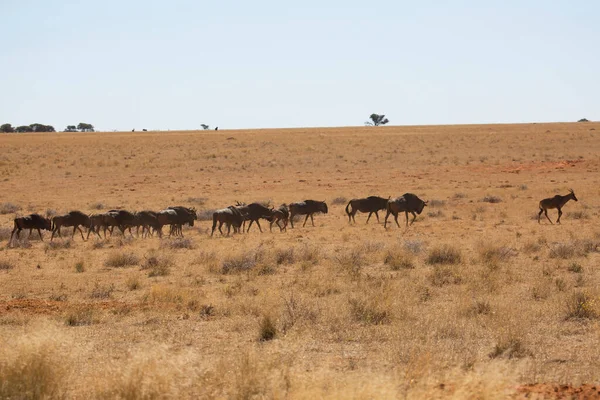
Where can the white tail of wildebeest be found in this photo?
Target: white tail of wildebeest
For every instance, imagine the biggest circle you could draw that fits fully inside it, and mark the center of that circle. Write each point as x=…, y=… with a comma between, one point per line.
x=308, y=208
x=557, y=202
x=407, y=203
x=371, y=204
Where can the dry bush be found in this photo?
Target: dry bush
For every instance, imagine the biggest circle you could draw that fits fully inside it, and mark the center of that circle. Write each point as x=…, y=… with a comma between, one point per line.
x=459, y=195
x=79, y=266
x=79, y=316
x=102, y=291
x=479, y=307
x=158, y=264
x=531, y=247
x=285, y=256
x=491, y=199
x=133, y=283
x=198, y=200
x=398, y=259
x=444, y=254
x=5, y=233
x=241, y=262
x=21, y=243
x=575, y=267
x=578, y=215
x=492, y=253
x=351, y=261
x=9, y=208
x=296, y=310
x=414, y=246
x=581, y=305
x=510, y=346
x=436, y=214
x=339, y=200
x=97, y=206
x=266, y=330
x=32, y=369
x=166, y=295
x=370, y=308
x=445, y=274
x=120, y=260
x=205, y=215
x=50, y=213
x=58, y=244
x=436, y=203
x=5, y=265
x=177, y=243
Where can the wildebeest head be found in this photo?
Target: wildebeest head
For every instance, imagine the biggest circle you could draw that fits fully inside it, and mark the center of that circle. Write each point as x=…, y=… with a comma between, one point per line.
x=323, y=207
x=414, y=202
x=47, y=224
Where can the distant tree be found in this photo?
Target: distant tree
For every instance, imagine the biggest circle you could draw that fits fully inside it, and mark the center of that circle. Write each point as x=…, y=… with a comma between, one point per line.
x=583, y=120
x=23, y=129
x=6, y=128
x=377, y=120
x=41, y=128
x=71, y=128
x=204, y=126
x=83, y=127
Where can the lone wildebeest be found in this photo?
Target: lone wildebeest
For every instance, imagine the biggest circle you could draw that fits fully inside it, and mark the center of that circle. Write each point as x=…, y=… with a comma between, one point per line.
x=308, y=208
x=371, y=204
x=74, y=219
x=229, y=216
x=184, y=216
x=31, y=222
x=558, y=202
x=281, y=213
x=253, y=212
x=409, y=203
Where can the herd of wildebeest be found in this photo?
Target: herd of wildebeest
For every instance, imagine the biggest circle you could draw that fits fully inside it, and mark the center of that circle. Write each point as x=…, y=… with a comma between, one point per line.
x=236, y=216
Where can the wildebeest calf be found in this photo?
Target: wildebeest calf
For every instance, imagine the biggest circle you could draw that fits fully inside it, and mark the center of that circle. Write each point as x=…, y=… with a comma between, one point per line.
x=409, y=203
x=308, y=208
x=33, y=221
x=282, y=213
x=371, y=204
x=253, y=212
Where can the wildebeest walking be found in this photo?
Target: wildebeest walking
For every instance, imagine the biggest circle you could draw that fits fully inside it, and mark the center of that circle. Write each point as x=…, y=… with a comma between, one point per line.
x=229, y=216
x=308, y=208
x=253, y=212
x=74, y=219
x=557, y=202
x=409, y=203
x=281, y=213
x=125, y=220
x=371, y=204
x=31, y=222
x=184, y=216
x=146, y=219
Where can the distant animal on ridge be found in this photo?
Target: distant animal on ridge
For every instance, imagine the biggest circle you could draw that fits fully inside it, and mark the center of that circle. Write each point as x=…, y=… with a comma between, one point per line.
x=371, y=204
x=407, y=203
x=557, y=202
x=308, y=208
x=33, y=221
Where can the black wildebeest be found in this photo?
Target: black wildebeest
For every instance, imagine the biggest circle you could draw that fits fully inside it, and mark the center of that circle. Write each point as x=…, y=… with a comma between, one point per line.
x=308, y=208
x=371, y=204
x=229, y=216
x=281, y=213
x=558, y=202
x=74, y=219
x=166, y=217
x=253, y=212
x=125, y=220
x=33, y=221
x=409, y=203
x=184, y=216
x=147, y=219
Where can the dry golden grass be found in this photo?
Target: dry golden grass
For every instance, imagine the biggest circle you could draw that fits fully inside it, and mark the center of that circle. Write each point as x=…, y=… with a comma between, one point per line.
x=472, y=300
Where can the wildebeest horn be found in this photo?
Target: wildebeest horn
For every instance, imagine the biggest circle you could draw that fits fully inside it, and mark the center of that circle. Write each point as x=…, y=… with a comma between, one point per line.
x=426, y=202
x=571, y=190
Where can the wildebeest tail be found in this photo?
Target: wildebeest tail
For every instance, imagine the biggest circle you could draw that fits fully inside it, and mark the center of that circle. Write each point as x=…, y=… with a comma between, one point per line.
x=348, y=207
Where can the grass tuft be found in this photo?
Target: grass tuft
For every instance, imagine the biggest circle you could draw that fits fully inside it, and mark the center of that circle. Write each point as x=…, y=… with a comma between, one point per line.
x=266, y=330
x=581, y=305
x=120, y=260
x=9, y=208
x=445, y=254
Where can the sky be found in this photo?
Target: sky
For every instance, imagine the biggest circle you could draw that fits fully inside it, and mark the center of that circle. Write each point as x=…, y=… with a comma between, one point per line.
x=128, y=64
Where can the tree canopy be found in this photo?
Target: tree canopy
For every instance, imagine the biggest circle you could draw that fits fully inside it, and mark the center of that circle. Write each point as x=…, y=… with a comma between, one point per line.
x=377, y=120
x=6, y=128
x=83, y=127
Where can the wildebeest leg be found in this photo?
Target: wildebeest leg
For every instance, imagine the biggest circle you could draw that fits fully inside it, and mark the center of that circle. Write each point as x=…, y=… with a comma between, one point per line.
x=292, y=220
x=546, y=213
x=414, y=217
x=30, y=229
x=40, y=233
x=396, y=219
x=80, y=231
x=559, y=215
x=259, y=228
x=305, y=219
x=220, y=225
x=13, y=232
x=386, y=218
x=312, y=220
x=369, y=217
x=377, y=215
x=249, y=225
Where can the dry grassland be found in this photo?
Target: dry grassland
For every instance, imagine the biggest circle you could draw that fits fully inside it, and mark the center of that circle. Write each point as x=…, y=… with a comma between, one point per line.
x=473, y=300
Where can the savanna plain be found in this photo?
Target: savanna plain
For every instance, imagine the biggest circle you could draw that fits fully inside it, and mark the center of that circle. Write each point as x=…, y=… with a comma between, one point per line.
x=474, y=300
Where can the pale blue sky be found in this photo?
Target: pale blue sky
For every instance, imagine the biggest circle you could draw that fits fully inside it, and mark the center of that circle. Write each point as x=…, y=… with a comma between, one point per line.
x=264, y=64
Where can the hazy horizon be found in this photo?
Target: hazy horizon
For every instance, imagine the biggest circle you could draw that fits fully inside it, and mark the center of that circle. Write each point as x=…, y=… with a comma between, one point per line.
x=174, y=66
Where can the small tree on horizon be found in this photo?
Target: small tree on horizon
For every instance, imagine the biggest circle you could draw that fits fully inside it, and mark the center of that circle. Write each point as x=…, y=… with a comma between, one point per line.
x=83, y=127
x=6, y=128
x=205, y=127
x=71, y=128
x=377, y=120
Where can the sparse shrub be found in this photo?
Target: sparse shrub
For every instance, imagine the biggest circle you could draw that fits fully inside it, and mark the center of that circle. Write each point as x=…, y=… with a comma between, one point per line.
x=581, y=305
x=370, y=310
x=267, y=330
x=124, y=241
x=414, y=246
x=102, y=292
x=531, y=247
x=339, y=200
x=459, y=195
x=575, y=267
x=444, y=275
x=120, y=260
x=266, y=269
x=563, y=250
x=561, y=285
x=491, y=199
x=79, y=266
x=479, y=307
x=239, y=263
x=5, y=233
x=21, y=243
x=351, y=261
x=206, y=311
x=32, y=371
x=510, y=347
x=445, y=254
x=99, y=244
x=578, y=215
x=310, y=254
x=436, y=203
x=523, y=187
x=205, y=215
x=285, y=256
x=158, y=265
x=50, y=213
x=491, y=253
x=58, y=244
x=198, y=200
x=80, y=316
x=97, y=206
x=177, y=243
x=9, y=208
x=5, y=265
x=436, y=214
x=399, y=259
x=133, y=283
